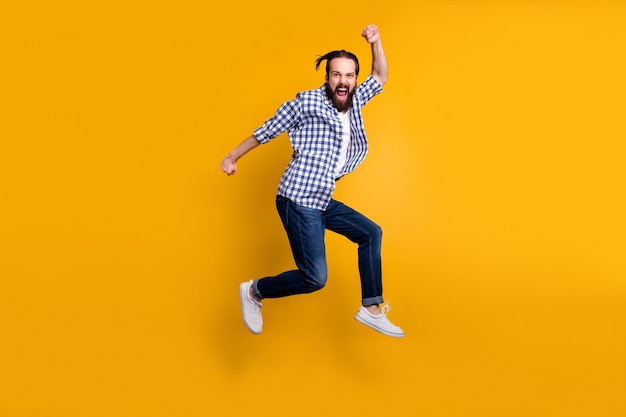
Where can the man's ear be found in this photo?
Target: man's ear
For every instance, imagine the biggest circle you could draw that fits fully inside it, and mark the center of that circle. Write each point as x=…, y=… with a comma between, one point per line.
x=326, y=78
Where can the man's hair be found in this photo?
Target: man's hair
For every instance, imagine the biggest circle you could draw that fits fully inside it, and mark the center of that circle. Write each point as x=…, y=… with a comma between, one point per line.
x=336, y=54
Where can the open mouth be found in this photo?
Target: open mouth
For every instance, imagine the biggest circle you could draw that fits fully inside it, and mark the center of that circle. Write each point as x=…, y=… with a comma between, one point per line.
x=341, y=91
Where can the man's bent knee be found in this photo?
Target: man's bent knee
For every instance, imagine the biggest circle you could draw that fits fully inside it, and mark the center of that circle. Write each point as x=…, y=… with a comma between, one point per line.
x=313, y=281
x=377, y=232
x=374, y=236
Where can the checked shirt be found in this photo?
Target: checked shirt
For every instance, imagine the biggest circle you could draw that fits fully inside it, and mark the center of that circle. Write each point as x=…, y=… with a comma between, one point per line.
x=315, y=132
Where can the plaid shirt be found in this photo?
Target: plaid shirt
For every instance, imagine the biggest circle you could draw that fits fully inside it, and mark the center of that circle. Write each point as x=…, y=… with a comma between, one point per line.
x=315, y=132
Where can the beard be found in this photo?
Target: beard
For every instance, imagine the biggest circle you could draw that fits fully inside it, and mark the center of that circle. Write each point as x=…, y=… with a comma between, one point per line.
x=341, y=106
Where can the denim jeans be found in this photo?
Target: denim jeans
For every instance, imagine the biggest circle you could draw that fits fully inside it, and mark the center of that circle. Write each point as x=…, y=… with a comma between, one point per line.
x=305, y=229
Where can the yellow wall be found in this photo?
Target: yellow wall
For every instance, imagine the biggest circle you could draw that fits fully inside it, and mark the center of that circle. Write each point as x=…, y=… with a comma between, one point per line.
x=496, y=170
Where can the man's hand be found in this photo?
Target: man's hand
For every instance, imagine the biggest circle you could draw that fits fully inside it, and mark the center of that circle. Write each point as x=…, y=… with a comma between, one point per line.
x=229, y=166
x=379, y=60
x=371, y=34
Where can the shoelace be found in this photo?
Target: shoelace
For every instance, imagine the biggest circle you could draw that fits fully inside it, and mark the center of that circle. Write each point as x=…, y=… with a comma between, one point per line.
x=258, y=303
x=255, y=301
x=385, y=309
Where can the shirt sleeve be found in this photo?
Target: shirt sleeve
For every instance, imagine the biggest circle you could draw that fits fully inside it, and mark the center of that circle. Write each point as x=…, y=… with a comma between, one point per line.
x=286, y=117
x=368, y=89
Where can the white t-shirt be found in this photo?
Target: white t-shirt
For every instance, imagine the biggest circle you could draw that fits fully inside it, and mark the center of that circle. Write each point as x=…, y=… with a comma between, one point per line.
x=345, y=124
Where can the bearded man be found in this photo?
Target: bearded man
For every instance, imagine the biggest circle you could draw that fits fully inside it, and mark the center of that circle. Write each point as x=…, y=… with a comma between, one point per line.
x=325, y=128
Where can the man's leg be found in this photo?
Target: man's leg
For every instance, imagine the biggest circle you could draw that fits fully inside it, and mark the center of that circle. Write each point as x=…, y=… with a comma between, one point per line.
x=305, y=230
x=368, y=235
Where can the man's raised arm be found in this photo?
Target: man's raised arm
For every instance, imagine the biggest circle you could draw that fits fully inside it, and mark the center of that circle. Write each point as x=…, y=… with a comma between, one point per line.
x=379, y=60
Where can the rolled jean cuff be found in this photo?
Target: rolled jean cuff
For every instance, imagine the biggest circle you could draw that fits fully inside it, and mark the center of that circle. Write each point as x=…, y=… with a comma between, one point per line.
x=373, y=301
x=255, y=290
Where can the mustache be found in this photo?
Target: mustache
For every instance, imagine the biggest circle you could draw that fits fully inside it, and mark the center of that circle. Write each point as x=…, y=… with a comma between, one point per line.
x=331, y=94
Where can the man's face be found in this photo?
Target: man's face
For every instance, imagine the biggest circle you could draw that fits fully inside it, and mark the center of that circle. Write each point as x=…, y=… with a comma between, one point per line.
x=341, y=82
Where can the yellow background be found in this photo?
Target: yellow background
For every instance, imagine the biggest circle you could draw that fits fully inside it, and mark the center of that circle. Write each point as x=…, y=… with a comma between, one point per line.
x=496, y=170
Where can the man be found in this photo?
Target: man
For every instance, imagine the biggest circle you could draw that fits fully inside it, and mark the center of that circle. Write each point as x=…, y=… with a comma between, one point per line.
x=325, y=127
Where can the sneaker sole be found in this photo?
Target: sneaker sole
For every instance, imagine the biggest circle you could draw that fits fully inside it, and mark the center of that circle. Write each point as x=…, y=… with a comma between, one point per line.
x=242, y=293
x=378, y=329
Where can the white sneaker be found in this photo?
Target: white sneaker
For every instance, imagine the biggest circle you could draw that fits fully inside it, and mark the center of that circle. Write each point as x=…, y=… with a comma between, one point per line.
x=250, y=309
x=380, y=322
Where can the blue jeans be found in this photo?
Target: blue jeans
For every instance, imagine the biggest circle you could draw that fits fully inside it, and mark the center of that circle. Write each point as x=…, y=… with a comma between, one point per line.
x=305, y=229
